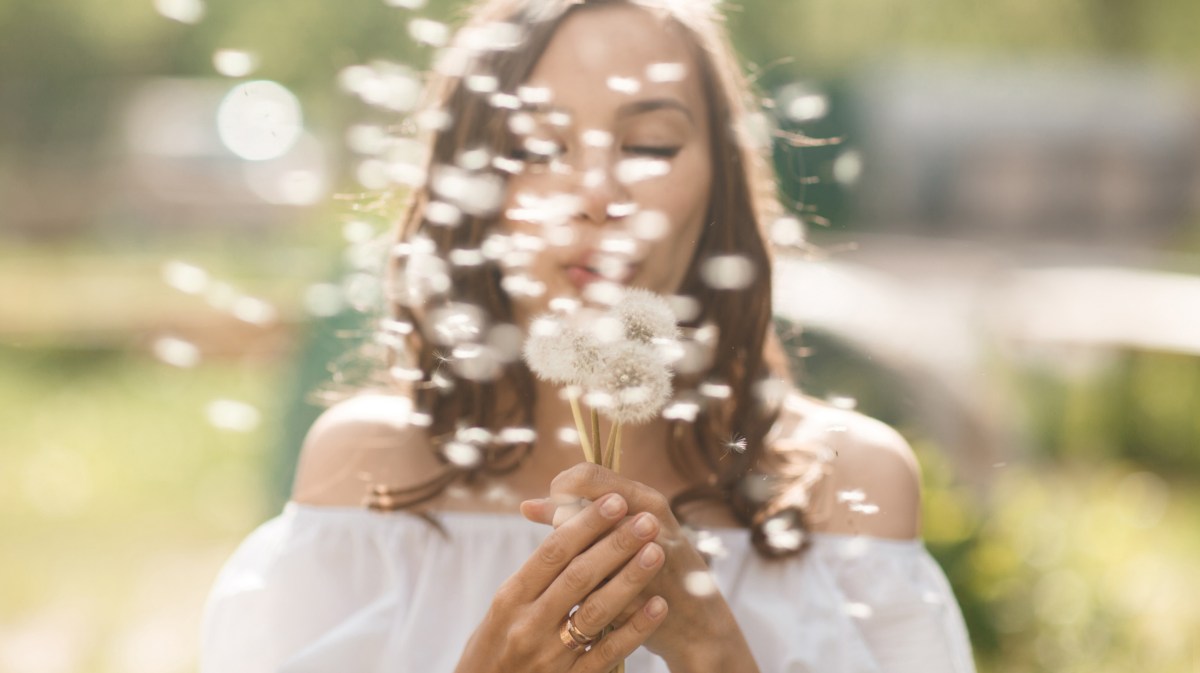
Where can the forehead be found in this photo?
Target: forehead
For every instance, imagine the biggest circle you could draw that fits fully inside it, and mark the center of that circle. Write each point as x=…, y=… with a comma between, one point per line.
x=614, y=54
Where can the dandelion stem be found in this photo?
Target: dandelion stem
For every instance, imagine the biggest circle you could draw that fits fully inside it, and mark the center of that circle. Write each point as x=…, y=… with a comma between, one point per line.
x=615, y=440
x=581, y=429
x=596, y=431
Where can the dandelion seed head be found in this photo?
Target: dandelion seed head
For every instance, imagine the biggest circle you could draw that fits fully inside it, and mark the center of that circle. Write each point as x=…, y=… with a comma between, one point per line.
x=645, y=316
x=632, y=384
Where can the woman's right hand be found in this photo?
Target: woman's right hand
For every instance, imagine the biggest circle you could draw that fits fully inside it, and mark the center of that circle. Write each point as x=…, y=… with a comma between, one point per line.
x=521, y=629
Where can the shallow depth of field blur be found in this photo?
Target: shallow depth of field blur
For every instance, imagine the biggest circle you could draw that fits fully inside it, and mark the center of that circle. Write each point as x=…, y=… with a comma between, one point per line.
x=1009, y=271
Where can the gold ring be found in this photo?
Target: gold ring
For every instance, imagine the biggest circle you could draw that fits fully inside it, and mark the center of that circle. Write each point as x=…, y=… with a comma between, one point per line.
x=572, y=637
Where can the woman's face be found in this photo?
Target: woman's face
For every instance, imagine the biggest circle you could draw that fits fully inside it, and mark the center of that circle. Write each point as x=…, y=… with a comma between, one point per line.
x=617, y=160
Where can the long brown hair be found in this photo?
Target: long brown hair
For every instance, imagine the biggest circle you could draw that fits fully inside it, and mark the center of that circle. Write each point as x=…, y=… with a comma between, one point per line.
x=723, y=451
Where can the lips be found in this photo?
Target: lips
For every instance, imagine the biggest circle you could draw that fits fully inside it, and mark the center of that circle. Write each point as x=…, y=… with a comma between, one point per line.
x=585, y=270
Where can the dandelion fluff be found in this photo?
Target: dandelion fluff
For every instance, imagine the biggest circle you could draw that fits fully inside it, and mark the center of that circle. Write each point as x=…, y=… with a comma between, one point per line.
x=632, y=382
x=560, y=352
x=646, y=316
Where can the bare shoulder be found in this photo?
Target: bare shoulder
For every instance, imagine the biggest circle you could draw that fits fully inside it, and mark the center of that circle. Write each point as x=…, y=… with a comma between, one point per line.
x=362, y=441
x=872, y=485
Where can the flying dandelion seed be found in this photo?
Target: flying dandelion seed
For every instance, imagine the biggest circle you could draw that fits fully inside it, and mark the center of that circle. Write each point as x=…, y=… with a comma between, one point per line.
x=855, y=495
x=597, y=138
x=848, y=167
x=235, y=62
x=176, y=352
x=728, y=272
x=716, y=391
x=782, y=534
x=666, y=72
x=700, y=583
x=534, y=95
x=516, y=436
x=842, y=402
x=737, y=445
x=457, y=323
x=357, y=231
x=495, y=36
x=710, y=545
x=427, y=31
x=858, y=610
x=183, y=11
x=462, y=454
x=355, y=78
x=474, y=160
x=435, y=119
x=405, y=4
x=483, y=84
x=442, y=213
x=625, y=85
x=806, y=107
x=639, y=169
x=187, y=278
x=568, y=436
x=787, y=232
x=681, y=411
x=259, y=120
x=648, y=225
x=864, y=508
x=232, y=415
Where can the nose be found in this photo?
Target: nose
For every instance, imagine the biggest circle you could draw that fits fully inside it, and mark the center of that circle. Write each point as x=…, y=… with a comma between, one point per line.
x=602, y=197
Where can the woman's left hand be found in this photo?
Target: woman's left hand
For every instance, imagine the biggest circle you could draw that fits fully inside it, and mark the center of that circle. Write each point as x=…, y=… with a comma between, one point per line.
x=700, y=632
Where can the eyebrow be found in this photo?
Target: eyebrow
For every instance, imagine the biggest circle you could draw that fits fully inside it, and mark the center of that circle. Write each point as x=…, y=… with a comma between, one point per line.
x=651, y=104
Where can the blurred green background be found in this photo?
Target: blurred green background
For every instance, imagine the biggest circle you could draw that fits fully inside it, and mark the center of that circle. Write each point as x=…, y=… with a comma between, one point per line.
x=162, y=324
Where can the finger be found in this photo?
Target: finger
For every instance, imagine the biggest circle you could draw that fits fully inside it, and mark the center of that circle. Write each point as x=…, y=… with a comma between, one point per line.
x=565, y=543
x=621, y=643
x=606, y=604
x=588, y=480
x=605, y=558
x=538, y=510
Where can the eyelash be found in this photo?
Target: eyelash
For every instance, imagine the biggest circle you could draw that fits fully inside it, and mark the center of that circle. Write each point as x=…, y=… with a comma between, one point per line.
x=661, y=152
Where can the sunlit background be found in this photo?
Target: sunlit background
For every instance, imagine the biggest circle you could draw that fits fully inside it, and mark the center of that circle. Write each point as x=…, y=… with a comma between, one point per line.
x=1008, y=270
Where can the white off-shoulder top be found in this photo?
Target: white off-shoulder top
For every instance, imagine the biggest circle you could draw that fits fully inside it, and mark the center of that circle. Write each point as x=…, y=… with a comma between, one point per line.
x=337, y=589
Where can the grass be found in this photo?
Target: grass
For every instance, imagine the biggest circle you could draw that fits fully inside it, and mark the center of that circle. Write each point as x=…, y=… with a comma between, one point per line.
x=121, y=500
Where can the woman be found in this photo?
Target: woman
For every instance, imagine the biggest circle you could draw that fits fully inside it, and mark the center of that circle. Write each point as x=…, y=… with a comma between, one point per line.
x=619, y=128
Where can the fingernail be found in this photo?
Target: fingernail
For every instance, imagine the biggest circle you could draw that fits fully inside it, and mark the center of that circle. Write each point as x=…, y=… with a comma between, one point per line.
x=612, y=506
x=644, y=526
x=656, y=606
x=650, y=556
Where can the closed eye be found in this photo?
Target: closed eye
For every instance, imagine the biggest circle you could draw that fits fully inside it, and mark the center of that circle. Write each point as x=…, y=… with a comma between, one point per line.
x=657, y=151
